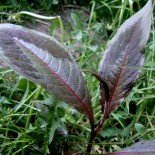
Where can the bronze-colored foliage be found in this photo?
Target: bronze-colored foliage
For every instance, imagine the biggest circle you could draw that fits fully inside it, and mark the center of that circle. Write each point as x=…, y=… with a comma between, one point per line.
x=44, y=60
x=124, y=56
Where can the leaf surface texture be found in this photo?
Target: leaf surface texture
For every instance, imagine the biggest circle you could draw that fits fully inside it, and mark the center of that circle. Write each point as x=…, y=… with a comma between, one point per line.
x=46, y=62
x=124, y=56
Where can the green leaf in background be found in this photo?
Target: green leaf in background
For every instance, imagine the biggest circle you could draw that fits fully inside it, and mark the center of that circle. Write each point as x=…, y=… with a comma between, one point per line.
x=140, y=127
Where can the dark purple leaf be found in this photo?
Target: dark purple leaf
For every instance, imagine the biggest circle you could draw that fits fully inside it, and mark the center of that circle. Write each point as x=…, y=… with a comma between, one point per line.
x=120, y=65
x=140, y=148
x=43, y=60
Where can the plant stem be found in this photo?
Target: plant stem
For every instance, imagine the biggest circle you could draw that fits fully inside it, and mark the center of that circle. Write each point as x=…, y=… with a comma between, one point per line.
x=95, y=131
x=105, y=110
x=14, y=16
x=100, y=124
x=92, y=134
x=61, y=29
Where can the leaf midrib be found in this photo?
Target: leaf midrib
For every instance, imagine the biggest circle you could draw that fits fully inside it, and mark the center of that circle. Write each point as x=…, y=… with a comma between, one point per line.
x=120, y=71
x=64, y=83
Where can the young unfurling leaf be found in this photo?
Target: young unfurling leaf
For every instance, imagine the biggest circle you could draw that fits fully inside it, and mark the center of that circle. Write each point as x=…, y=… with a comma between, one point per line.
x=43, y=60
x=120, y=65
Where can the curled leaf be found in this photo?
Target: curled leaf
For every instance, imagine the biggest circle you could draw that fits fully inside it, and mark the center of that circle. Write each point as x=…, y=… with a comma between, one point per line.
x=120, y=65
x=44, y=61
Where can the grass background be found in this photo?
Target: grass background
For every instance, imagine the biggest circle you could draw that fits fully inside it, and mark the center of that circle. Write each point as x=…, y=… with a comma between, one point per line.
x=35, y=122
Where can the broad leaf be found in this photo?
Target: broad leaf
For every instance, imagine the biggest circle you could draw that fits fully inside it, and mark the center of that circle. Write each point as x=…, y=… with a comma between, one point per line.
x=140, y=148
x=120, y=65
x=43, y=60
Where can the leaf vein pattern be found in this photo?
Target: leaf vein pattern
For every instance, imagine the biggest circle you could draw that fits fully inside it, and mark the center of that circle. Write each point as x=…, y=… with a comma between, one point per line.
x=62, y=81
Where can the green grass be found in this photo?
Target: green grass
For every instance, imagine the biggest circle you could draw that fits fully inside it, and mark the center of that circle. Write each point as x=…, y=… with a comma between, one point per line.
x=35, y=122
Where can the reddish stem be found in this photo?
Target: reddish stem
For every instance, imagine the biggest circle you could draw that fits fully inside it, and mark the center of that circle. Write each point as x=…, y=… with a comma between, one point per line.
x=104, y=108
x=95, y=131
